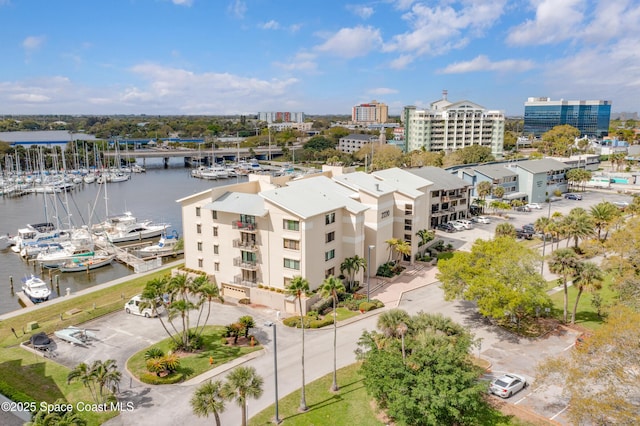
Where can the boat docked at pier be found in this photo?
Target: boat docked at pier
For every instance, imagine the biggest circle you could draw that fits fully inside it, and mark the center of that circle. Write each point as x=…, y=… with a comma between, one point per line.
x=38, y=233
x=139, y=230
x=167, y=245
x=35, y=289
x=86, y=264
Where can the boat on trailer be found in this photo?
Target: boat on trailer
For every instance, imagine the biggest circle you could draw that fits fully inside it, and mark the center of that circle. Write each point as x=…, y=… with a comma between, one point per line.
x=75, y=335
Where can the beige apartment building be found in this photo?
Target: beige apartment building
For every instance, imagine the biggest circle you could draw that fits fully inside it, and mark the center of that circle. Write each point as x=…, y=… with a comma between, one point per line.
x=254, y=237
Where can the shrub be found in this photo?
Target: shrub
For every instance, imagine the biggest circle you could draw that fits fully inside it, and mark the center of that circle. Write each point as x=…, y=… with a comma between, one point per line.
x=312, y=315
x=366, y=306
x=152, y=379
x=244, y=301
x=292, y=322
x=153, y=353
x=351, y=304
x=385, y=270
x=171, y=362
x=378, y=303
x=319, y=323
x=444, y=256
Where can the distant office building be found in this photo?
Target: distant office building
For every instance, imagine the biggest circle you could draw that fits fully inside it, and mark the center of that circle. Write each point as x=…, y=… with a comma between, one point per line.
x=353, y=142
x=281, y=117
x=590, y=117
x=449, y=126
x=43, y=137
x=373, y=112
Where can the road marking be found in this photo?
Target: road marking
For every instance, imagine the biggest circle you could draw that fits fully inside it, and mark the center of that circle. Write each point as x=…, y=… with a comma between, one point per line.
x=558, y=413
x=568, y=347
x=123, y=332
x=520, y=400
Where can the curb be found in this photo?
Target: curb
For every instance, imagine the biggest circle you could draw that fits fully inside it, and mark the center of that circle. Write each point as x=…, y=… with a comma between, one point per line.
x=222, y=368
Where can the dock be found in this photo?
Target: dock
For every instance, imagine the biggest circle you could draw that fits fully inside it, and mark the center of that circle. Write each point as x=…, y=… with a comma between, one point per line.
x=24, y=299
x=124, y=256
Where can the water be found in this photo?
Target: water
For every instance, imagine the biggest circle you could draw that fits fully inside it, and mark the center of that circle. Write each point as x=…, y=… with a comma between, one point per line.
x=151, y=195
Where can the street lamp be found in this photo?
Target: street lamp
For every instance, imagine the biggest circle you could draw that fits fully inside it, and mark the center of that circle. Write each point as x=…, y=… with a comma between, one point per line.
x=544, y=238
x=275, y=365
x=369, y=271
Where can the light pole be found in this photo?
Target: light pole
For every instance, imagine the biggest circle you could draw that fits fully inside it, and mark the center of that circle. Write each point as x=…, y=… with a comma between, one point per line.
x=544, y=238
x=369, y=271
x=275, y=365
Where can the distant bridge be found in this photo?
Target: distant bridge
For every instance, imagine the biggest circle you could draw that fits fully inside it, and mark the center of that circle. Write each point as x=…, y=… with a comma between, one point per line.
x=192, y=156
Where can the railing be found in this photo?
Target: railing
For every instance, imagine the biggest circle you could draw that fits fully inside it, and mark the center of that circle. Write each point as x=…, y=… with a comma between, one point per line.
x=245, y=245
x=245, y=264
x=245, y=226
x=244, y=281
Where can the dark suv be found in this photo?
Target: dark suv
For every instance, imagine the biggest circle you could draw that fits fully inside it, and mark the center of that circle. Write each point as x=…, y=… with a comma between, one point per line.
x=572, y=196
x=523, y=233
x=447, y=227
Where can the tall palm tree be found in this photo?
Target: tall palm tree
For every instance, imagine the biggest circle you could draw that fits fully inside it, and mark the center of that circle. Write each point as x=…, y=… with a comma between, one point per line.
x=83, y=373
x=153, y=295
x=297, y=288
x=106, y=375
x=352, y=265
x=498, y=192
x=603, y=215
x=564, y=262
x=483, y=189
x=392, y=243
x=208, y=399
x=207, y=291
x=331, y=286
x=243, y=383
x=578, y=225
x=425, y=236
x=589, y=279
x=388, y=321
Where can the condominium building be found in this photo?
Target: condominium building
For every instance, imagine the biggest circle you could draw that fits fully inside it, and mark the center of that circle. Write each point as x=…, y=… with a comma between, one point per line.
x=590, y=117
x=372, y=112
x=255, y=237
x=449, y=126
x=281, y=117
x=353, y=142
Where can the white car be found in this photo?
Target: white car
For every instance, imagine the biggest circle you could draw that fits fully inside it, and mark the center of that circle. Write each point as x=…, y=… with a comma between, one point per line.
x=481, y=219
x=534, y=206
x=457, y=225
x=466, y=223
x=508, y=384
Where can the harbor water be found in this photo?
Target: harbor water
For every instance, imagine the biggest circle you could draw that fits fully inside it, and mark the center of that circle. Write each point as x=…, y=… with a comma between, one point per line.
x=148, y=196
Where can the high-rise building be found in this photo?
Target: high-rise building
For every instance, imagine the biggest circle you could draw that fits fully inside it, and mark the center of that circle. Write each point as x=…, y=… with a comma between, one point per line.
x=449, y=126
x=590, y=117
x=281, y=117
x=373, y=112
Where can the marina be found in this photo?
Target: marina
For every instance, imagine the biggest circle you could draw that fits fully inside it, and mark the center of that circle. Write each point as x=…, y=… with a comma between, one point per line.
x=149, y=196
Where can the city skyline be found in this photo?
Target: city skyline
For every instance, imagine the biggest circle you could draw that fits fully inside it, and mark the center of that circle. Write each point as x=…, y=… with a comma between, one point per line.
x=191, y=57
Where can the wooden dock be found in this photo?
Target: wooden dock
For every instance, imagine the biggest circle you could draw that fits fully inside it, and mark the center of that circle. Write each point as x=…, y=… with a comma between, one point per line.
x=24, y=299
x=124, y=256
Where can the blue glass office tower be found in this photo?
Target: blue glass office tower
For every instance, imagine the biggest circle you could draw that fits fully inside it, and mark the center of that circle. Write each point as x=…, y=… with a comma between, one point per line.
x=590, y=117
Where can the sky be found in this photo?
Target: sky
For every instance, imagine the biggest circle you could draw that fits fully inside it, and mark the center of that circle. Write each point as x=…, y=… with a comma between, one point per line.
x=227, y=57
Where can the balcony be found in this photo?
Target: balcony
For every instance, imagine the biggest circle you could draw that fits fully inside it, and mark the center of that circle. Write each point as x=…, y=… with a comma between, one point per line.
x=245, y=281
x=251, y=265
x=244, y=226
x=246, y=245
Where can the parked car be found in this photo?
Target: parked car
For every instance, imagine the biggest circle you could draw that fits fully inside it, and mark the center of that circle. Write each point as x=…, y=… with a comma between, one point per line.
x=446, y=227
x=133, y=307
x=621, y=204
x=521, y=233
x=457, y=225
x=508, y=384
x=481, y=219
x=529, y=228
x=523, y=209
x=534, y=206
x=572, y=196
x=466, y=223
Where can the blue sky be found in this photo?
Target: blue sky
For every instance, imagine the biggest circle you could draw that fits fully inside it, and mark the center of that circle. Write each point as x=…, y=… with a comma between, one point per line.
x=314, y=56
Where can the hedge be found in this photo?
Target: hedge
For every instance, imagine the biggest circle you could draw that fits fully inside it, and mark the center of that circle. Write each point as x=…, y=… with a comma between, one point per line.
x=366, y=306
x=13, y=394
x=308, y=323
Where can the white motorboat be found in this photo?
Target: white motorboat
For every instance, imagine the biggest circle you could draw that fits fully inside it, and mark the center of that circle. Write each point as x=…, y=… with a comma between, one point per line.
x=87, y=264
x=5, y=242
x=39, y=233
x=31, y=250
x=89, y=178
x=166, y=245
x=75, y=335
x=35, y=289
x=112, y=222
x=68, y=252
x=136, y=231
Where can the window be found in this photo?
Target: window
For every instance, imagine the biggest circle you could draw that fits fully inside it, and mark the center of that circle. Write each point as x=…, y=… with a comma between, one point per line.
x=200, y=263
x=215, y=231
x=199, y=245
x=198, y=211
x=330, y=236
x=329, y=254
x=286, y=282
x=291, y=244
x=249, y=257
x=292, y=264
x=245, y=218
x=291, y=225
x=216, y=249
x=198, y=228
x=214, y=214
x=216, y=266
x=329, y=272
x=330, y=218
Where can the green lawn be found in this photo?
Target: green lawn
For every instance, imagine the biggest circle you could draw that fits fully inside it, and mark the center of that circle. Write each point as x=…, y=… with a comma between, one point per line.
x=351, y=405
x=586, y=314
x=197, y=363
x=344, y=313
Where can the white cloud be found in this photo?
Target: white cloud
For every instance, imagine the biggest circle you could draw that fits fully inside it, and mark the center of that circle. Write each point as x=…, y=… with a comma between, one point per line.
x=382, y=91
x=302, y=61
x=187, y=3
x=483, y=63
x=352, y=42
x=33, y=42
x=401, y=62
x=237, y=8
x=271, y=25
x=362, y=11
x=555, y=21
x=294, y=28
x=437, y=30
x=29, y=98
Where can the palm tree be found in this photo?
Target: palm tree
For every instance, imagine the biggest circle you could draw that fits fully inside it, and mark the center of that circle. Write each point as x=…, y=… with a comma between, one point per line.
x=498, y=192
x=391, y=245
x=208, y=399
x=603, y=215
x=589, y=279
x=297, y=288
x=352, y=266
x=207, y=291
x=106, y=375
x=331, y=286
x=505, y=229
x=402, y=248
x=83, y=373
x=388, y=321
x=578, y=225
x=243, y=383
x=564, y=262
x=483, y=189
x=153, y=296
x=57, y=418
x=425, y=236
